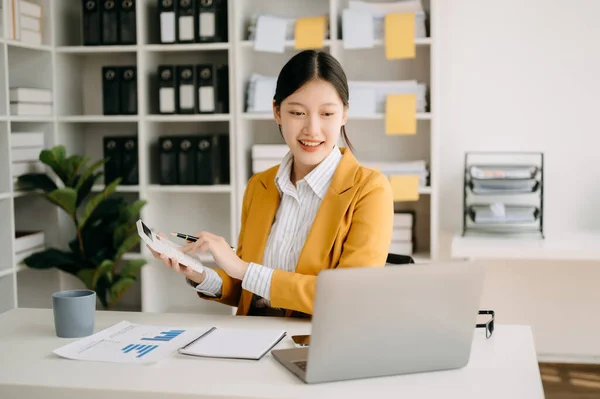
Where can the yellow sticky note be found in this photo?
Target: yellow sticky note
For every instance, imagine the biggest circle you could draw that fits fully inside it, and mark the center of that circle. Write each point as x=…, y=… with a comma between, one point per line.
x=400, y=36
x=405, y=187
x=400, y=114
x=309, y=33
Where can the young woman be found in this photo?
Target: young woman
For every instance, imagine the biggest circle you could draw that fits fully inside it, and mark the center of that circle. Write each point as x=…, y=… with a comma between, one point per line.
x=319, y=209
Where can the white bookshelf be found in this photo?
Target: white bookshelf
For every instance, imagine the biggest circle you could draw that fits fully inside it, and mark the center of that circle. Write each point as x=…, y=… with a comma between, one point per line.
x=23, y=64
x=73, y=72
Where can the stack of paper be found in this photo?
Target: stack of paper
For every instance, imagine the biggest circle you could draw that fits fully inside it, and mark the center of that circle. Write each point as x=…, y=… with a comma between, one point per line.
x=503, y=213
x=30, y=101
x=503, y=171
x=363, y=93
x=27, y=243
x=366, y=98
x=290, y=25
x=503, y=179
x=402, y=235
x=269, y=32
x=261, y=89
x=414, y=168
x=24, y=21
x=265, y=156
x=25, y=152
x=503, y=186
x=378, y=11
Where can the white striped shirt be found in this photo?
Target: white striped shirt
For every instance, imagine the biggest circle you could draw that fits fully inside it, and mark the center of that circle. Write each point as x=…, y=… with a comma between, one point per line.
x=295, y=215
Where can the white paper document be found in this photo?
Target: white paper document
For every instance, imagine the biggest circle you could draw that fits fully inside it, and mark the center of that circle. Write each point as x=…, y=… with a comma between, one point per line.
x=126, y=342
x=363, y=102
x=384, y=88
x=261, y=89
x=358, y=29
x=270, y=34
x=378, y=11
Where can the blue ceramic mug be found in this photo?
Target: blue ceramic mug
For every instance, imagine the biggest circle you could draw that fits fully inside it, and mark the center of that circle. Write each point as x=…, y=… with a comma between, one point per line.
x=74, y=313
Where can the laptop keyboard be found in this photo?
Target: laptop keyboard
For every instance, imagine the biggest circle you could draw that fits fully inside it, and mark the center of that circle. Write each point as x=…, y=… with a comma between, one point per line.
x=301, y=364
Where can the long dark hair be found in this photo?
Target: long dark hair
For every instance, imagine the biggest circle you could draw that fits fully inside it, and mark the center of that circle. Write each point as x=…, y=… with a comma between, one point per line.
x=308, y=65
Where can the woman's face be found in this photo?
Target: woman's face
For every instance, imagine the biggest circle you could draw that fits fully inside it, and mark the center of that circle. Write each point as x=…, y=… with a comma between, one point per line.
x=311, y=120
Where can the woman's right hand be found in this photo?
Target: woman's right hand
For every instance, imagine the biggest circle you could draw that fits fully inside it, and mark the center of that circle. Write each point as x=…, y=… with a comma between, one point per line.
x=173, y=264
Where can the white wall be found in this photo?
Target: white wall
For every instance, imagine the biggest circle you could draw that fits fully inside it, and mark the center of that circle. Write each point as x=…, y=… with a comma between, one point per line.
x=523, y=75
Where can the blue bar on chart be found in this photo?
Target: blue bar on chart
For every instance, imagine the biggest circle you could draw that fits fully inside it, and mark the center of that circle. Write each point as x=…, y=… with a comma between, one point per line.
x=165, y=335
x=139, y=348
x=128, y=348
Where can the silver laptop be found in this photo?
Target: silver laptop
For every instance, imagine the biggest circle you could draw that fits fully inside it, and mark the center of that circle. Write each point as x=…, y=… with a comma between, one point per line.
x=372, y=322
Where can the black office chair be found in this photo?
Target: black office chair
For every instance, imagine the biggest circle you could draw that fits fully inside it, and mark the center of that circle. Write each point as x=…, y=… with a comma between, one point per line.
x=397, y=259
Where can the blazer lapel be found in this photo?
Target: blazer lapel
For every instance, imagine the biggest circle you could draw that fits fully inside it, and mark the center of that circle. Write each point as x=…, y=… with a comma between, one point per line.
x=325, y=227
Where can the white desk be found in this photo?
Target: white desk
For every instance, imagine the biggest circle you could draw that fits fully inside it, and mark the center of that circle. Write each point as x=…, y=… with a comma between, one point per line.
x=572, y=246
x=504, y=366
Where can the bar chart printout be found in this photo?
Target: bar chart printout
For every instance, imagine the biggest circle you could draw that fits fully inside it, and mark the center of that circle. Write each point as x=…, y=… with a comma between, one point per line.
x=126, y=342
x=141, y=350
x=165, y=335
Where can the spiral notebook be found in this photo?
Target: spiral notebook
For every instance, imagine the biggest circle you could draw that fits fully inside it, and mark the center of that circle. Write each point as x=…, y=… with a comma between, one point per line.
x=234, y=343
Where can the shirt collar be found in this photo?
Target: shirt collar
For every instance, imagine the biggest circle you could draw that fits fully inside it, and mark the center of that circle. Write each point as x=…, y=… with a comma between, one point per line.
x=318, y=179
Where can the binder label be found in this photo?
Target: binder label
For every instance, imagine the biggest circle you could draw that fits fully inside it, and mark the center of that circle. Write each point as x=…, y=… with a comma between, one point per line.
x=167, y=27
x=167, y=99
x=186, y=28
x=206, y=22
x=206, y=98
x=186, y=96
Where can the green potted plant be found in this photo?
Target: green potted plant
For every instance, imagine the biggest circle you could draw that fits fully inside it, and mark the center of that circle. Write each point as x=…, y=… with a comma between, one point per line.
x=104, y=225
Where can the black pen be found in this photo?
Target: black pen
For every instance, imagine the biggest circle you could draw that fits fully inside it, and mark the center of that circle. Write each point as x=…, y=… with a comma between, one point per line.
x=188, y=237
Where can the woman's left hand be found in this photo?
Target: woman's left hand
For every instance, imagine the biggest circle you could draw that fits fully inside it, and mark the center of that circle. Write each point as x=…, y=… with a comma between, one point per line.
x=223, y=254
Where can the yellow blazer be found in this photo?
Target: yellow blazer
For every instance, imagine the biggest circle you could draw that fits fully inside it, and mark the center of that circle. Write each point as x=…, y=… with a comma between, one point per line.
x=352, y=228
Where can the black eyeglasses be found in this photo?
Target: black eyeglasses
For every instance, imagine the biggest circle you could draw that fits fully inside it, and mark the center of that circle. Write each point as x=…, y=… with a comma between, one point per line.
x=488, y=325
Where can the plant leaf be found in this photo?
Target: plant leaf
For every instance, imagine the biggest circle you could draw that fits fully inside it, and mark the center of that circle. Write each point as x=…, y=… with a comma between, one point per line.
x=54, y=158
x=87, y=276
x=52, y=257
x=128, y=216
x=122, y=231
x=101, y=291
x=96, y=200
x=39, y=181
x=98, y=233
x=104, y=270
x=132, y=267
x=132, y=211
x=128, y=245
x=85, y=187
x=89, y=171
x=80, y=162
x=107, y=212
x=119, y=287
x=72, y=166
x=64, y=197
